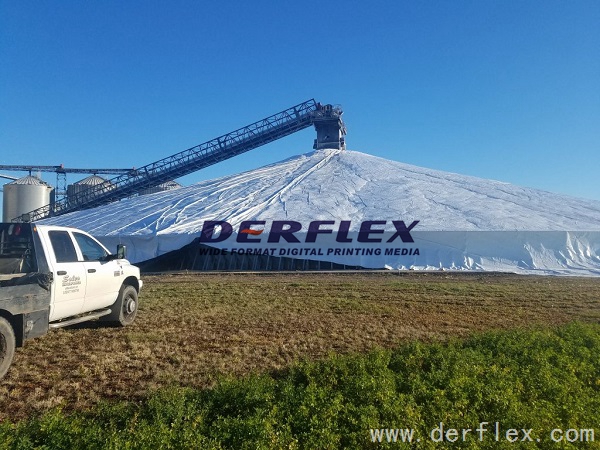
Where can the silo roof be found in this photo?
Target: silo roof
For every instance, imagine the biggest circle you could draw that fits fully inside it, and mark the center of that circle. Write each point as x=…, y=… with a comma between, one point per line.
x=30, y=180
x=91, y=180
x=169, y=184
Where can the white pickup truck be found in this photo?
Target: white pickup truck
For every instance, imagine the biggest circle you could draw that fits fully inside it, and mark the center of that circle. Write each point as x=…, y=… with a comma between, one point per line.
x=53, y=277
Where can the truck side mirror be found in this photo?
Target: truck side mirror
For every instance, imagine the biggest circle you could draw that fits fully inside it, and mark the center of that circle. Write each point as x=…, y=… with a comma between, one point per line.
x=121, y=251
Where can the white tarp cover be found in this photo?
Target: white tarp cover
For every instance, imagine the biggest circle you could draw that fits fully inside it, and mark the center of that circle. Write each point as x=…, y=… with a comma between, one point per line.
x=464, y=223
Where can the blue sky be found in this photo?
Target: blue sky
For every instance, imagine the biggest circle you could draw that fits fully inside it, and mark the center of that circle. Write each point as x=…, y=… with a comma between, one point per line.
x=507, y=90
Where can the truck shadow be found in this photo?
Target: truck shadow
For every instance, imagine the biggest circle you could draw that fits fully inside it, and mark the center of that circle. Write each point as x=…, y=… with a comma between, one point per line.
x=91, y=325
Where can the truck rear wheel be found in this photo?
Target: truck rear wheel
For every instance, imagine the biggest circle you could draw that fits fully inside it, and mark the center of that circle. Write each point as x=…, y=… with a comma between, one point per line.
x=7, y=345
x=125, y=308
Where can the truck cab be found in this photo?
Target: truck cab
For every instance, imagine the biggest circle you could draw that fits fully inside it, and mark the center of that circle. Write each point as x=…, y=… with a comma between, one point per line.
x=53, y=276
x=86, y=276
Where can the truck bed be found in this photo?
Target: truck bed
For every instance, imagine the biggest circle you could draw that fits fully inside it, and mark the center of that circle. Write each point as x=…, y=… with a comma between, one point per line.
x=21, y=293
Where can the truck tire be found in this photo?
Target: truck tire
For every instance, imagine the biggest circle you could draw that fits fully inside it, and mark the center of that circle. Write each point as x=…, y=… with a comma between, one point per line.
x=7, y=345
x=125, y=308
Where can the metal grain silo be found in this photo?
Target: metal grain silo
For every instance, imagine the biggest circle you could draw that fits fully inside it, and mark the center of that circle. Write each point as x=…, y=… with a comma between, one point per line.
x=167, y=186
x=75, y=191
x=24, y=195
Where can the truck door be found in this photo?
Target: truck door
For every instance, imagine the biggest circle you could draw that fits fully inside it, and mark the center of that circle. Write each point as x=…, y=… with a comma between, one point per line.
x=103, y=277
x=70, y=276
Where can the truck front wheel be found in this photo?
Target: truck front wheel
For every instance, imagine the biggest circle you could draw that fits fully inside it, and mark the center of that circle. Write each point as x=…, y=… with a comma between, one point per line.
x=7, y=345
x=125, y=308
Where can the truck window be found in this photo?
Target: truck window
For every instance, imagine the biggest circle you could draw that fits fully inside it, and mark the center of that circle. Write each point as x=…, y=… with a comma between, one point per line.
x=63, y=246
x=90, y=249
x=16, y=249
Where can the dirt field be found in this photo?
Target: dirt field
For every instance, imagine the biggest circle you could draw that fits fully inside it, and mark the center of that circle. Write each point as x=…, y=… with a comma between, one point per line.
x=192, y=329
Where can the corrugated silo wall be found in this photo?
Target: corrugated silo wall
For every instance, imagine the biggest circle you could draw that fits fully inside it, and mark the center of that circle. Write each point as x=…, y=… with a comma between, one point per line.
x=24, y=195
x=197, y=256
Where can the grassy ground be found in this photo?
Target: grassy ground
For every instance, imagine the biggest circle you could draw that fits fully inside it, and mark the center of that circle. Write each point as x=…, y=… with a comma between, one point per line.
x=193, y=328
x=541, y=384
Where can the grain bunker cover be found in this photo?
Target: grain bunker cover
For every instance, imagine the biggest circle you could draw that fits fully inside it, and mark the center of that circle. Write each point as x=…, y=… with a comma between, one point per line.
x=344, y=209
